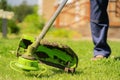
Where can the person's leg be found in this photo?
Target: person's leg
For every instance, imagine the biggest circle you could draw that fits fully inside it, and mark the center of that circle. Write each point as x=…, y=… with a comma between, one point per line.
x=99, y=27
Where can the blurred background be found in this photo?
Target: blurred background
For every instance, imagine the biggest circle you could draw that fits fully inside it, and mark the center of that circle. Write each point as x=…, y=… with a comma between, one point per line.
x=19, y=17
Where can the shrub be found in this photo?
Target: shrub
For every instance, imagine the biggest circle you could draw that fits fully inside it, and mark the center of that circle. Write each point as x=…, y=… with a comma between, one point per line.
x=35, y=20
x=32, y=24
x=64, y=33
x=13, y=27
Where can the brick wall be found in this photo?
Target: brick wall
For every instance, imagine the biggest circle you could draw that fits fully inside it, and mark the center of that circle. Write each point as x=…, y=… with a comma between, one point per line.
x=48, y=8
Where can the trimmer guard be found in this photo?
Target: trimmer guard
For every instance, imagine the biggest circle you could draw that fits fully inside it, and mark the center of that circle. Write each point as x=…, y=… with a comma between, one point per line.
x=56, y=55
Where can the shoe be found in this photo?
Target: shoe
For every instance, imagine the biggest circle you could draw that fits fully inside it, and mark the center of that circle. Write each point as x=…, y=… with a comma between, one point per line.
x=98, y=57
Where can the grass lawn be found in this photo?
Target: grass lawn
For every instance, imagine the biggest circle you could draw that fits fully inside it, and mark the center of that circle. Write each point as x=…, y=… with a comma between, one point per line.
x=106, y=69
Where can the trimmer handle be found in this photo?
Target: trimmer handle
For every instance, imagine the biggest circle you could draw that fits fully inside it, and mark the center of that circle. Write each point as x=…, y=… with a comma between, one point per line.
x=50, y=22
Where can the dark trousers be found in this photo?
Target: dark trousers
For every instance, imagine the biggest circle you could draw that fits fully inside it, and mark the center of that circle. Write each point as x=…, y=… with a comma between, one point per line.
x=99, y=27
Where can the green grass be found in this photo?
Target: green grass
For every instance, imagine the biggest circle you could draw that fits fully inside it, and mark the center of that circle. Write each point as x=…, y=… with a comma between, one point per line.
x=106, y=69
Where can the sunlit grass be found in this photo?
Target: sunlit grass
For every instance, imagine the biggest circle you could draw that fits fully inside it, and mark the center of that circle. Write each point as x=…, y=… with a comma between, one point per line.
x=106, y=69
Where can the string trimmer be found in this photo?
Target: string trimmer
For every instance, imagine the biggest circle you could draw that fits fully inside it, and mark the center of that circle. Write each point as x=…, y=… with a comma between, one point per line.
x=31, y=50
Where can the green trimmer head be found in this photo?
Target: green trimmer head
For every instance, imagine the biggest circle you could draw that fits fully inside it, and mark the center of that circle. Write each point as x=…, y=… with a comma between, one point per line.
x=26, y=64
x=53, y=54
x=23, y=65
